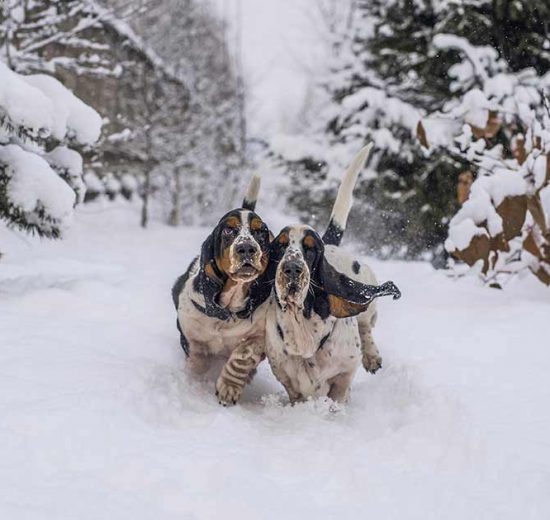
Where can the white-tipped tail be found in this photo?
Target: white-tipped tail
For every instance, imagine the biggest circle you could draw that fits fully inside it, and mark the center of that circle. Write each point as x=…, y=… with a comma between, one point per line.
x=251, y=196
x=344, y=199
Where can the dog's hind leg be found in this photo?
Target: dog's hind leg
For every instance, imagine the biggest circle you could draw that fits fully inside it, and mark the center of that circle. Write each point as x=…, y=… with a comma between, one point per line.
x=372, y=360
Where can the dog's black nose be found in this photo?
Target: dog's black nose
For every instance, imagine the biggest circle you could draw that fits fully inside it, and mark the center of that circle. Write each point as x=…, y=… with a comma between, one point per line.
x=292, y=269
x=246, y=249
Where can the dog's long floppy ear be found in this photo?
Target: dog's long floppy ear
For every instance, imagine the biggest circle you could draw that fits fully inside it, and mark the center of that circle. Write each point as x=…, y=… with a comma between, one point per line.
x=251, y=196
x=209, y=282
x=345, y=297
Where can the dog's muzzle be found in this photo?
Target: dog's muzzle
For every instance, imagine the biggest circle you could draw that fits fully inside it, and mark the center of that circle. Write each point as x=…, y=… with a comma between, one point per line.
x=293, y=276
x=247, y=254
x=292, y=271
x=247, y=251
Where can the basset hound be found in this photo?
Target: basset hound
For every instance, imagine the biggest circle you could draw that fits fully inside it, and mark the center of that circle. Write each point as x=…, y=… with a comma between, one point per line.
x=221, y=299
x=321, y=312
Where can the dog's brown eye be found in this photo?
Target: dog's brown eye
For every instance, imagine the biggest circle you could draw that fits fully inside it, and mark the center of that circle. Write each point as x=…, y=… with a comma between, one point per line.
x=229, y=231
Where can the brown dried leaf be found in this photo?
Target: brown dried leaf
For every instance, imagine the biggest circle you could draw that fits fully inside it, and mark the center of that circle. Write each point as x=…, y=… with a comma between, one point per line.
x=542, y=274
x=421, y=134
x=534, y=205
x=530, y=245
x=512, y=210
x=465, y=181
x=478, y=249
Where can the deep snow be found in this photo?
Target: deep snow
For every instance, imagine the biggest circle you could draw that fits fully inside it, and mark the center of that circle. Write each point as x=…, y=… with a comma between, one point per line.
x=98, y=419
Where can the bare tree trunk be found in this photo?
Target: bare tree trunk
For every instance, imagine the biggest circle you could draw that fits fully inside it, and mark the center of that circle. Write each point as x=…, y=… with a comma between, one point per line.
x=145, y=200
x=175, y=213
x=8, y=36
x=240, y=82
x=147, y=181
x=148, y=151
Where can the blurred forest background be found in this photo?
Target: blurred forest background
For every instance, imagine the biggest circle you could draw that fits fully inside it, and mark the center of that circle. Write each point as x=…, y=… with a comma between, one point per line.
x=454, y=95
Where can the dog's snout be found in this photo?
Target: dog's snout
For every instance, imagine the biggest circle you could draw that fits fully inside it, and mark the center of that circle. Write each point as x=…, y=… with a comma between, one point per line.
x=292, y=269
x=246, y=249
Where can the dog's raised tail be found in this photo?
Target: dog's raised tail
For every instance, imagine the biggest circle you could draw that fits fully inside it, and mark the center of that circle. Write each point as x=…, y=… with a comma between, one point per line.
x=251, y=196
x=342, y=205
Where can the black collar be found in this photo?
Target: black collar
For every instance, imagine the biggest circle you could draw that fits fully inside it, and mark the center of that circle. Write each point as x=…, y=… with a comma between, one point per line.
x=213, y=310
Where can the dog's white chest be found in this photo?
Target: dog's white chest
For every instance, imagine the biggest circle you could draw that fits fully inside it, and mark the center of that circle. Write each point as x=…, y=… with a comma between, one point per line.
x=337, y=350
x=219, y=337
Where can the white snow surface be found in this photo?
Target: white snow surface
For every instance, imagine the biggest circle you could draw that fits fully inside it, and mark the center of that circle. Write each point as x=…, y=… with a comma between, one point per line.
x=99, y=419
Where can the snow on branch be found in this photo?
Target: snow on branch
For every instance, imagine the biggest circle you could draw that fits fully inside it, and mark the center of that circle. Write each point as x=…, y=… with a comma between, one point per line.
x=44, y=107
x=72, y=117
x=35, y=194
x=24, y=106
x=478, y=59
x=38, y=190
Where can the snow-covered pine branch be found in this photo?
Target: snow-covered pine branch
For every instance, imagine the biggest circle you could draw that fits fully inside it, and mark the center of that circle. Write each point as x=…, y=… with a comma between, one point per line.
x=39, y=190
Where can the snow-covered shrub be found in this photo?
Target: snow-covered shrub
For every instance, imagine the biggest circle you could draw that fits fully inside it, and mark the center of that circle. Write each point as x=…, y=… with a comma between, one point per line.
x=94, y=186
x=39, y=189
x=499, y=122
x=112, y=186
x=128, y=186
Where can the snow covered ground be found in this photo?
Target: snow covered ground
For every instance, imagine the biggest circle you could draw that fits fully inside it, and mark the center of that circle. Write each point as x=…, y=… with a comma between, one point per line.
x=98, y=419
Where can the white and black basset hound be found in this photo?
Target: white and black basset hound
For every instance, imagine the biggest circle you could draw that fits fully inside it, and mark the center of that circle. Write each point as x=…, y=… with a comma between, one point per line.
x=221, y=299
x=320, y=315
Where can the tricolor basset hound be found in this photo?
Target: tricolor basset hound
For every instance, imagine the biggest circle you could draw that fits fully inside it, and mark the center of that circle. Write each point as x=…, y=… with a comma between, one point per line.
x=221, y=299
x=320, y=315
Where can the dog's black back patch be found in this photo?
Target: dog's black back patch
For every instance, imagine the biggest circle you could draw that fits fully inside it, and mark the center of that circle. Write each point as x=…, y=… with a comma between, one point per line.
x=180, y=283
x=183, y=340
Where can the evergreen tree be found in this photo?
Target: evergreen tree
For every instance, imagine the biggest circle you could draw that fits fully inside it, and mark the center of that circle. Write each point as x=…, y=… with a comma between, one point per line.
x=389, y=74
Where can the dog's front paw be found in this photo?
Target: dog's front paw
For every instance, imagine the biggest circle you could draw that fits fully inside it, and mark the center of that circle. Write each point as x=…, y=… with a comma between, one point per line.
x=372, y=362
x=227, y=394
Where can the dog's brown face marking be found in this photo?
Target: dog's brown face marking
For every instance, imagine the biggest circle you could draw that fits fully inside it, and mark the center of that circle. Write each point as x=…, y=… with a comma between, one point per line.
x=256, y=224
x=232, y=222
x=309, y=242
x=224, y=259
x=209, y=270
